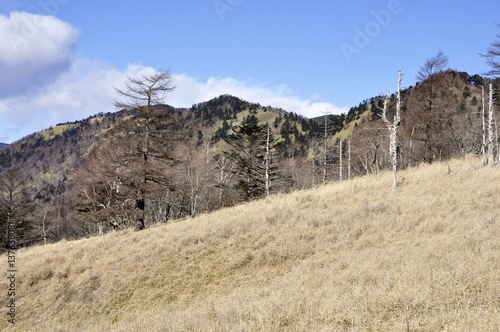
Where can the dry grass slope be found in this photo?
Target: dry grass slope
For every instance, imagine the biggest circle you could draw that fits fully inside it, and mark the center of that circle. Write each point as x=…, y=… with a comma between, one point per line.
x=350, y=256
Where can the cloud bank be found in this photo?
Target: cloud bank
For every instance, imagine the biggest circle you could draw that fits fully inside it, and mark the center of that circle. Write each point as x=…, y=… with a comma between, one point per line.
x=44, y=82
x=189, y=91
x=35, y=50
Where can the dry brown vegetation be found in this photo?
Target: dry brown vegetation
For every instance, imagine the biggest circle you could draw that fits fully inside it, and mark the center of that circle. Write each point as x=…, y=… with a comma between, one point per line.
x=350, y=256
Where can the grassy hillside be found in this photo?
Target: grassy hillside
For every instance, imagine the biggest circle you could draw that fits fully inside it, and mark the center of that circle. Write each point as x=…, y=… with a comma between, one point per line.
x=350, y=256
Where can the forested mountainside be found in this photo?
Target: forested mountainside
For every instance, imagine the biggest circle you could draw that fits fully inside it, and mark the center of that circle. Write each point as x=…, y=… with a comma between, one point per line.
x=81, y=178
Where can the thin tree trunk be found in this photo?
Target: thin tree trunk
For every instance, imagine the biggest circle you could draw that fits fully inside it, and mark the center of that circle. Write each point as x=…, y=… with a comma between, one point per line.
x=267, y=161
x=340, y=161
x=325, y=146
x=411, y=146
x=483, y=146
x=349, y=159
x=313, y=181
x=44, y=227
x=393, y=128
x=490, y=127
x=496, y=138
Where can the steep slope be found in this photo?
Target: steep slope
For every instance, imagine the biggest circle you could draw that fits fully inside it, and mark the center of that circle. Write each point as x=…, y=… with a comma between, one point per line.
x=347, y=256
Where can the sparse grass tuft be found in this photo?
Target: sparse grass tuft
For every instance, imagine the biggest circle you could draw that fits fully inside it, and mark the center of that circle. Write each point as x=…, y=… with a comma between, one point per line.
x=350, y=256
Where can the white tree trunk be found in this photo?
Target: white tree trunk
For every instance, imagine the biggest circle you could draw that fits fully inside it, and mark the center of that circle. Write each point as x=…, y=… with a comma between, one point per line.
x=324, y=148
x=349, y=159
x=483, y=146
x=340, y=162
x=267, y=161
x=225, y=175
x=393, y=154
x=393, y=128
x=410, y=159
x=490, y=128
x=44, y=226
x=313, y=180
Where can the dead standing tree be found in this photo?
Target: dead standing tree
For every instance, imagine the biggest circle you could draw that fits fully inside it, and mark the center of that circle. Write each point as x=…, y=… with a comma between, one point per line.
x=491, y=121
x=492, y=57
x=267, y=163
x=393, y=130
x=483, y=146
x=143, y=94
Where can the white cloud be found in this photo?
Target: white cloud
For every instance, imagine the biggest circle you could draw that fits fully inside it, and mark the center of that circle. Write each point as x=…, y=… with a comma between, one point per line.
x=189, y=91
x=34, y=51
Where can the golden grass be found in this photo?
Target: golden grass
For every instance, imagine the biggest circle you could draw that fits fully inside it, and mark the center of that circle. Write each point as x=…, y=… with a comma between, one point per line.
x=347, y=131
x=350, y=256
x=55, y=131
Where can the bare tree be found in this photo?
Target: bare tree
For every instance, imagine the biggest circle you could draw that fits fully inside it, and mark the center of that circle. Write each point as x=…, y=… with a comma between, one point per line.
x=315, y=152
x=369, y=147
x=432, y=65
x=15, y=208
x=137, y=153
x=493, y=57
x=225, y=172
x=194, y=174
x=432, y=121
x=104, y=193
x=146, y=91
x=49, y=220
x=393, y=128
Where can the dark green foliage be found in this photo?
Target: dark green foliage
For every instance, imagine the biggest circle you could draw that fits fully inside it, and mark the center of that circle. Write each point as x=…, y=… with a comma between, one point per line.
x=305, y=126
x=199, y=138
x=248, y=153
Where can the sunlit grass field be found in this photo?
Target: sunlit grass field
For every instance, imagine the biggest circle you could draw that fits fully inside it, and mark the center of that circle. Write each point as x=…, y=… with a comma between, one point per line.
x=349, y=256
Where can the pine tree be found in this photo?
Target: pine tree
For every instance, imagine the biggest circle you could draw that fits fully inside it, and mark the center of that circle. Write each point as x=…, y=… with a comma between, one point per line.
x=251, y=151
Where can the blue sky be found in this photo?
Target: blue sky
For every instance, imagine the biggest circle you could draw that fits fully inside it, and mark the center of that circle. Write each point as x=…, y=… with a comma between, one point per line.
x=59, y=59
